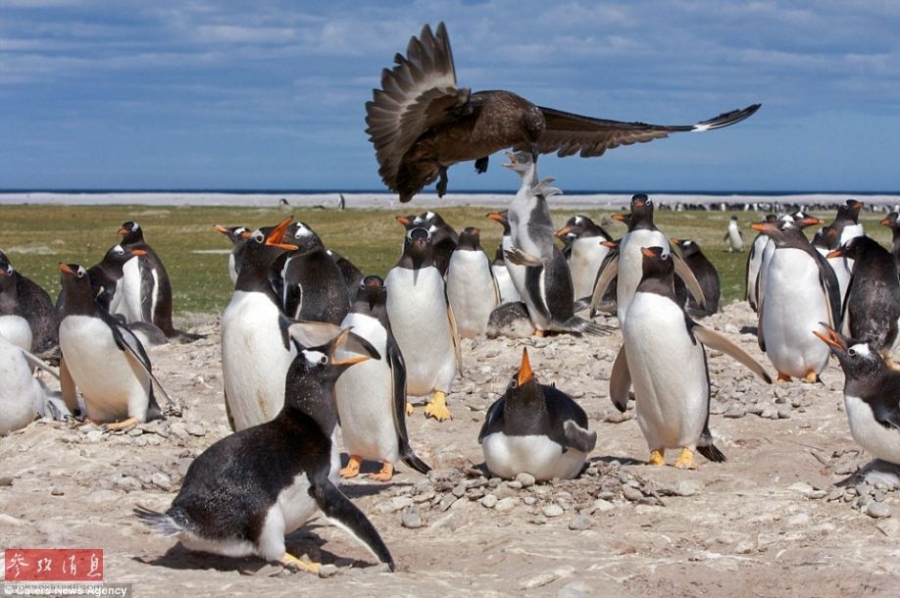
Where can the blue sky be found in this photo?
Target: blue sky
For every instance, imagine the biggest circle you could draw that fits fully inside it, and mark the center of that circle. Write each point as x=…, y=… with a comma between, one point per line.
x=270, y=94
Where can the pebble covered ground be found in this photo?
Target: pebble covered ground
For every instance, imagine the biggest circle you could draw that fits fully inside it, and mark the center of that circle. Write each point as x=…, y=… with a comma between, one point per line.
x=787, y=515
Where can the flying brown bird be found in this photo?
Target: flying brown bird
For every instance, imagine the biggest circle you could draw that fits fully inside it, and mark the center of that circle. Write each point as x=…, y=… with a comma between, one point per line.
x=421, y=123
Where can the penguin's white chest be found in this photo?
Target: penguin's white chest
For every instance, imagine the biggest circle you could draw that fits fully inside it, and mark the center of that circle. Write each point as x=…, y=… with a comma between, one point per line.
x=417, y=311
x=668, y=372
x=127, y=300
x=471, y=292
x=16, y=330
x=255, y=360
x=882, y=442
x=113, y=384
x=365, y=400
x=631, y=266
x=584, y=262
x=793, y=305
x=508, y=456
x=20, y=392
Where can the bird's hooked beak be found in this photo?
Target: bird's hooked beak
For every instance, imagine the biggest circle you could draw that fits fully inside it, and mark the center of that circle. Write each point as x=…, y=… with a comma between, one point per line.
x=513, y=160
x=525, y=374
x=274, y=238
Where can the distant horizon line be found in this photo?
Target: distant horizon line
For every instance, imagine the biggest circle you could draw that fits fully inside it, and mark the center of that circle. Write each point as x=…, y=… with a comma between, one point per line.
x=262, y=191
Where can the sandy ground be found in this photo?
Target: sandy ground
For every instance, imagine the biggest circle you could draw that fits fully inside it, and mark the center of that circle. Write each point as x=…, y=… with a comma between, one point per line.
x=768, y=522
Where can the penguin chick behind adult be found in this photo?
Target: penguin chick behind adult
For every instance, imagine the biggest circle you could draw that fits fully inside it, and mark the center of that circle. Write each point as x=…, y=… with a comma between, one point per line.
x=537, y=429
x=705, y=273
x=371, y=397
x=243, y=494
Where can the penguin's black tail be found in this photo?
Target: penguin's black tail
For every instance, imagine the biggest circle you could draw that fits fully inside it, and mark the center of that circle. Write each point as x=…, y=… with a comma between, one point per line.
x=408, y=456
x=712, y=453
x=161, y=523
x=582, y=326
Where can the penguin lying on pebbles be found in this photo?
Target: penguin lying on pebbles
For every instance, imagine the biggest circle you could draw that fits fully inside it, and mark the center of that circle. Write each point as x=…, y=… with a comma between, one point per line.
x=871, y=394
x=103, y=359
x=663, y=357
x=537, y=429
x=243, y=494
x=371, y=397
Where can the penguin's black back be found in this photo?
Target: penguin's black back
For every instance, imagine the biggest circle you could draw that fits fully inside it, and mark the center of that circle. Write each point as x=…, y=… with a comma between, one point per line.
x=873, y=297
x=314, y=284
x=542, y=414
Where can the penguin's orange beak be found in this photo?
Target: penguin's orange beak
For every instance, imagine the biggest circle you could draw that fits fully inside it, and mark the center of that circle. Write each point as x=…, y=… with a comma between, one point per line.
x=563, y=232
x=65, y=269
x=836, y=253
x=525, y=373
x=138, y=252
x=832, y=339
x=220, y=228
x=620, y=217
x=763, y=227
x=857, y=204
x=885, y=222
x=496, y=216
x=275, y=237
x=610, y=244
x=338, y=342
x=675, y=241
x=404, y=220
x=810, y=221
x=123, y=231
x=647, y=252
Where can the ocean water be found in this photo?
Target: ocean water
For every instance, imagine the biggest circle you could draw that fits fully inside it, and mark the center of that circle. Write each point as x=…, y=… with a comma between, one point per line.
x=377, y=199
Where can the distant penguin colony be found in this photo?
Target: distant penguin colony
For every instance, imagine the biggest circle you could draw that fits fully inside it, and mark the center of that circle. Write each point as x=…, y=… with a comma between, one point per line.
x=320, y=357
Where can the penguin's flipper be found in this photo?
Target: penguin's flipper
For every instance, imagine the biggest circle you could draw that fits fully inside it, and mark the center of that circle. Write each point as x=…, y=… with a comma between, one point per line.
x=620, y=381
x=129, y=343
x=492, y=419
x=67, y=386
x=690, y=281
x=760, y=338
x=398, y=386
x=342, y=513
x=716, y=341
x=831, y=288
x=37, y=362
x=310, y=334
x=454, y=332
x=604, y=277
x=579, y=438
x=520, y=258
x=886, y=415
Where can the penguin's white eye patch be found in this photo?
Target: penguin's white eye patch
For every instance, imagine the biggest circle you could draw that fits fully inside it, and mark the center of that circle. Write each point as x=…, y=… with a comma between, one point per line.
x=860, y=349
x=258, y=236
x=118, y=250
x=315, y=357
x=302, y=231
x=81, y=273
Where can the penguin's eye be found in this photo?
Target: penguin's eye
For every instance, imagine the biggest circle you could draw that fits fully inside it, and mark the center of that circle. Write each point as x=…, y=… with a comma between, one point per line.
x=851, y=352
x=259, y=237
x=81, y=272
x=323, y=360
x=513, y=383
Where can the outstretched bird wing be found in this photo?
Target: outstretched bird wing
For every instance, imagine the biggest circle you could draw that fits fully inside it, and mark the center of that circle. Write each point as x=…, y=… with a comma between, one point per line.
x=417, y=94
x=568, y=134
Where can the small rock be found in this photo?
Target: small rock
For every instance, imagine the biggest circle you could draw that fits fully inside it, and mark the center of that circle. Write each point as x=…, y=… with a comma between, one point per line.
x=505, y=504
x=328, y=570
x=801, y=487
x=632, y=494
x=688, y=487
x=551, y=511
x=57, y=492
x=489, y=501
x=603, y=505
x=525, y=479
x=411, y=518
x=539, y=520
x=161, y=480
x=836, y=494
x=889, y=527
x=392, y=505
x=878, y=510
x=529, y=500
x=580, y=522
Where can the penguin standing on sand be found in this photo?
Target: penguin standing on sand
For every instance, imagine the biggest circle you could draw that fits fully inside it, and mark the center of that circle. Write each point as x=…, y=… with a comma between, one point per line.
x=256, y=348
x=514, y=276
x=422, y=323
x=800, y=291
x=586, y=252
x=537, y=429
x=34, y=304
x=238, y=236
x=705, y=273
x=871, y=395
x=799, y=220
x=154, y=288
x=671, y=399
x=754, y=261
x=243, y=494
x=548, y=291
x=872, y=305
x=103, y=359
x=371, y=397
x=733, y=236
x=314, y=287
x=892, y=221
x=472, y=291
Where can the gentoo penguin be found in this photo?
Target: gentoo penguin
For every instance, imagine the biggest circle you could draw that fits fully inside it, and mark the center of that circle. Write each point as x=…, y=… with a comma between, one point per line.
x=353, y=276
x=510, y=320
x=443, y=236
x=22, y=395
x=371, y=397
x=13, y=325
x=102, y=359
x=34, y=304
x=871, y=395
x=421, y=123
x=548, y=291
x=256, y=349
x=155, y=288
x=871, y=307
x=626, y=267
x=846, y=221
x=664, y=359
x=892, y=221
x=799, y=220
x=734, y=236
x=586, y=252
x=825, y=241
x=535, y=428
x=472, y=291
x=754, y=260
x=422, y=323
x=515, y=274
x=238, y=236
x=244, y=493
x=705, y=273
x=800, y=291
x=314, y=287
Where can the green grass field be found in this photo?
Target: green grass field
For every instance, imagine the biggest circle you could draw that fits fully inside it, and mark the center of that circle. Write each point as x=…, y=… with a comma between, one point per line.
x=37, y=238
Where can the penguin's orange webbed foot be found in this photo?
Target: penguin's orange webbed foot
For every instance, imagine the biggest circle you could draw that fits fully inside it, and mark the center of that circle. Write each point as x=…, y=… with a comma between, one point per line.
x=409, y=408
x=686, y=459
x=292, y=562
x=437, y=407
x=352, y=468
x=657, y=457
x=782, y=378
x=386, y=473
x=811, y=377
x=122, y=425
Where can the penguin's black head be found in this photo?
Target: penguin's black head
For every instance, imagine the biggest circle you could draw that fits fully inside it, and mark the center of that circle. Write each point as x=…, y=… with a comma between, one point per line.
x=7, y=279
x=858, y=359
x=524, y=384
x=235, y=234
x=687, y=247
x=131, y=232
x=437, y=226
x=856, y=248
x=850, y=210
x=371, y=291
x=301, y=235
x=73, y=276
x=272, y=236
x=418, y=241
x=326, y=362
x=891, y=220
x=470, y=239
x=656, y=262
x=118, y=255
x=408, y=221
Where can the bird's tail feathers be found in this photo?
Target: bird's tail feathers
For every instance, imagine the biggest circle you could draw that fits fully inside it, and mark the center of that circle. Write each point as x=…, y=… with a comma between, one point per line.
x=161, y=523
